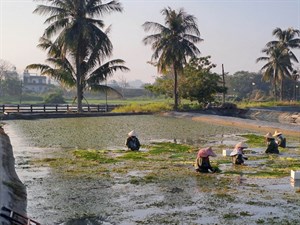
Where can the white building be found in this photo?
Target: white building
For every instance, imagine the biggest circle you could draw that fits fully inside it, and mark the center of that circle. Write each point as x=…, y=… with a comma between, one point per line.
x=34, y=82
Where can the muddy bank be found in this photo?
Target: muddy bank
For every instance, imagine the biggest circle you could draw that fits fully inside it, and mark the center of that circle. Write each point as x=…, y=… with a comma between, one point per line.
x=285, y=115
x=248, y=120
x=12, y=191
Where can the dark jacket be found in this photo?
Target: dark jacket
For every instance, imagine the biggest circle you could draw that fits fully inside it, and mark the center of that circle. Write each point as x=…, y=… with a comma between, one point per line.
x=239, y=159
x=133, y=143
x=204, y=165
x=272, y=147
x=281, y=141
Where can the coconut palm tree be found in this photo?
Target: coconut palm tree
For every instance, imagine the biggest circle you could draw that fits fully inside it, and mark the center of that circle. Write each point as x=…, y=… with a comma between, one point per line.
x=277, y=67
x=287, y=39
x=78, y=35
x=61, y=69
x=173, y=43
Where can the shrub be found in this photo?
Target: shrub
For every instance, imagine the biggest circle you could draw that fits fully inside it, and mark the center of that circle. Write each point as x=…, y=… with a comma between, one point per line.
x=55, y=98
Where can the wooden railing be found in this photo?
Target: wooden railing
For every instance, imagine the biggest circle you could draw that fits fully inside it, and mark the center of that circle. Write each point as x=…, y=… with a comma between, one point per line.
x=53, y=108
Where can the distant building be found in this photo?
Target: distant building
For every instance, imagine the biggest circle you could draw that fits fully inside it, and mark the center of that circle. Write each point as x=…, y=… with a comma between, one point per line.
x=35, y=83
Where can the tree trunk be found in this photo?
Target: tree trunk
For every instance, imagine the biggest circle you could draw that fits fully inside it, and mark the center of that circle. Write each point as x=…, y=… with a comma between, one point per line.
x=281, y=90
x=275, y=91
x=79, y=95
x=175, y=89
x=79, y=85
x=223, y=82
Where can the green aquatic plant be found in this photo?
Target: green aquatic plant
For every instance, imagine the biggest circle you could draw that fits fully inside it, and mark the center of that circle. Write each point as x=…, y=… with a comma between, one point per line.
x=94, y=155
x=134, y=155
x=167, y=147
x=254, y=140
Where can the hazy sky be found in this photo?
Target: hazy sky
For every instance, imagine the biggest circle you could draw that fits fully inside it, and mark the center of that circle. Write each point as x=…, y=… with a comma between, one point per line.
x=234, y=32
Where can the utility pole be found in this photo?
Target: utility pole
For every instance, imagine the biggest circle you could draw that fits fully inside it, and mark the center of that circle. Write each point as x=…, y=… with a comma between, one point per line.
x=223, y=81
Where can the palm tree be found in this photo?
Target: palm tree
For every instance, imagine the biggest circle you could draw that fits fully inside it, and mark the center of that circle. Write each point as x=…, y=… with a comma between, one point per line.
x=62, y=69
x=277, y=67
x=173, y=43
x=79, y=38
x=287, y=39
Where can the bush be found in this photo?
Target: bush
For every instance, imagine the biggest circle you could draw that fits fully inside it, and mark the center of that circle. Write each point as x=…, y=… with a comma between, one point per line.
x=228, y=105
x=151, y=107
x=55, y=98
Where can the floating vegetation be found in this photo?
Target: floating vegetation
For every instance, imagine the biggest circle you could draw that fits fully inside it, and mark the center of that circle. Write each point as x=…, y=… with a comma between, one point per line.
x=254, y=140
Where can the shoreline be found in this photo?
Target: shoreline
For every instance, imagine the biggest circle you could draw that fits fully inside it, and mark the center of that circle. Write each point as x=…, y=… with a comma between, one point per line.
x=255, y=125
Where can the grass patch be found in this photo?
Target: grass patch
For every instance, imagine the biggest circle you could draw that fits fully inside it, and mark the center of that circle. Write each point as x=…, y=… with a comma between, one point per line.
x=94, y=155
x=149, y=108
x=165, y=148
x=254, y=140
x=134, y=155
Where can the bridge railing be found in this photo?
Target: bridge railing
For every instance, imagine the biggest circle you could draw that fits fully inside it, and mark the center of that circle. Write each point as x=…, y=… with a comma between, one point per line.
x=54, y=108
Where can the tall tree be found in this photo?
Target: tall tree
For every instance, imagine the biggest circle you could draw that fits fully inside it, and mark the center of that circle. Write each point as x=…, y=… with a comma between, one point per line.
x=200, y=83
x=78, y=36
x=173, y=43
x=63, y=70
x=286, y=39
x=277, y=67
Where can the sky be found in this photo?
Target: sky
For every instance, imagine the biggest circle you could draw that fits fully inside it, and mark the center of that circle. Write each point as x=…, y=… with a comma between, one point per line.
x=234, y=32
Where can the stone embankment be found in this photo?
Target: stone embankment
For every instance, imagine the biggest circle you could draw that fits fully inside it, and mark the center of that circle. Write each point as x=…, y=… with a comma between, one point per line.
x=12, y=191
x=277, y=116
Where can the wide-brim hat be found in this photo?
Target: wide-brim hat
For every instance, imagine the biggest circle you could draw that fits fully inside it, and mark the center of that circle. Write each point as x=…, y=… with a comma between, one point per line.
x=241, y=145
x=269, y=135
x=276, y=133
x=205, y=152
x=132, y=133
x=236, y=151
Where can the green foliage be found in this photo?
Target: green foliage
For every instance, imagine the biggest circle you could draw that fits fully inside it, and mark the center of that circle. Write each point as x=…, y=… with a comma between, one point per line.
x=55, y=98
x=161, y=148
x=266, y=104
x=149, y=108
x=134, y=155
x=254, y=140
x=199, y=82
x=77, y=57
x=94, y=155
x=174, y=42
x=248, y=86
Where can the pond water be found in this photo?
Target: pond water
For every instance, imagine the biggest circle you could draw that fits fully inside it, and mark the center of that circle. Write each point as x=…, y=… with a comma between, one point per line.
x=56, y=199
x=111, y=132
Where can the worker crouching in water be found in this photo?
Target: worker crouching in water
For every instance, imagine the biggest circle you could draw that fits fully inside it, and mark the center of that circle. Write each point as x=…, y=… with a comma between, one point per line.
x=202, y=161
x=272, y=146
x=280, y=139
x=237, y=154
x=132, y=142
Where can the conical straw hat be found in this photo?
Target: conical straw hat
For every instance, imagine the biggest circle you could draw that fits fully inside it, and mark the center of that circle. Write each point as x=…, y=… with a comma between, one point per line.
x=132, y=133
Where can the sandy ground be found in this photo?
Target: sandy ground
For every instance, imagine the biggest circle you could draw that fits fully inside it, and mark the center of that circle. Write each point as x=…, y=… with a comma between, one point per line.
x=196, y=199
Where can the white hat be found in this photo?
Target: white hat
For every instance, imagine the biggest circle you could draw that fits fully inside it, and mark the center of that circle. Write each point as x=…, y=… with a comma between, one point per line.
x=269, y=135
x=241, y=145
x=132, y=133
x=276, y=133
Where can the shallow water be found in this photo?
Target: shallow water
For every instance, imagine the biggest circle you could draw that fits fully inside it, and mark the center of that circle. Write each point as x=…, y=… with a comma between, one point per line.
x=111, y=132
x=53, y=199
